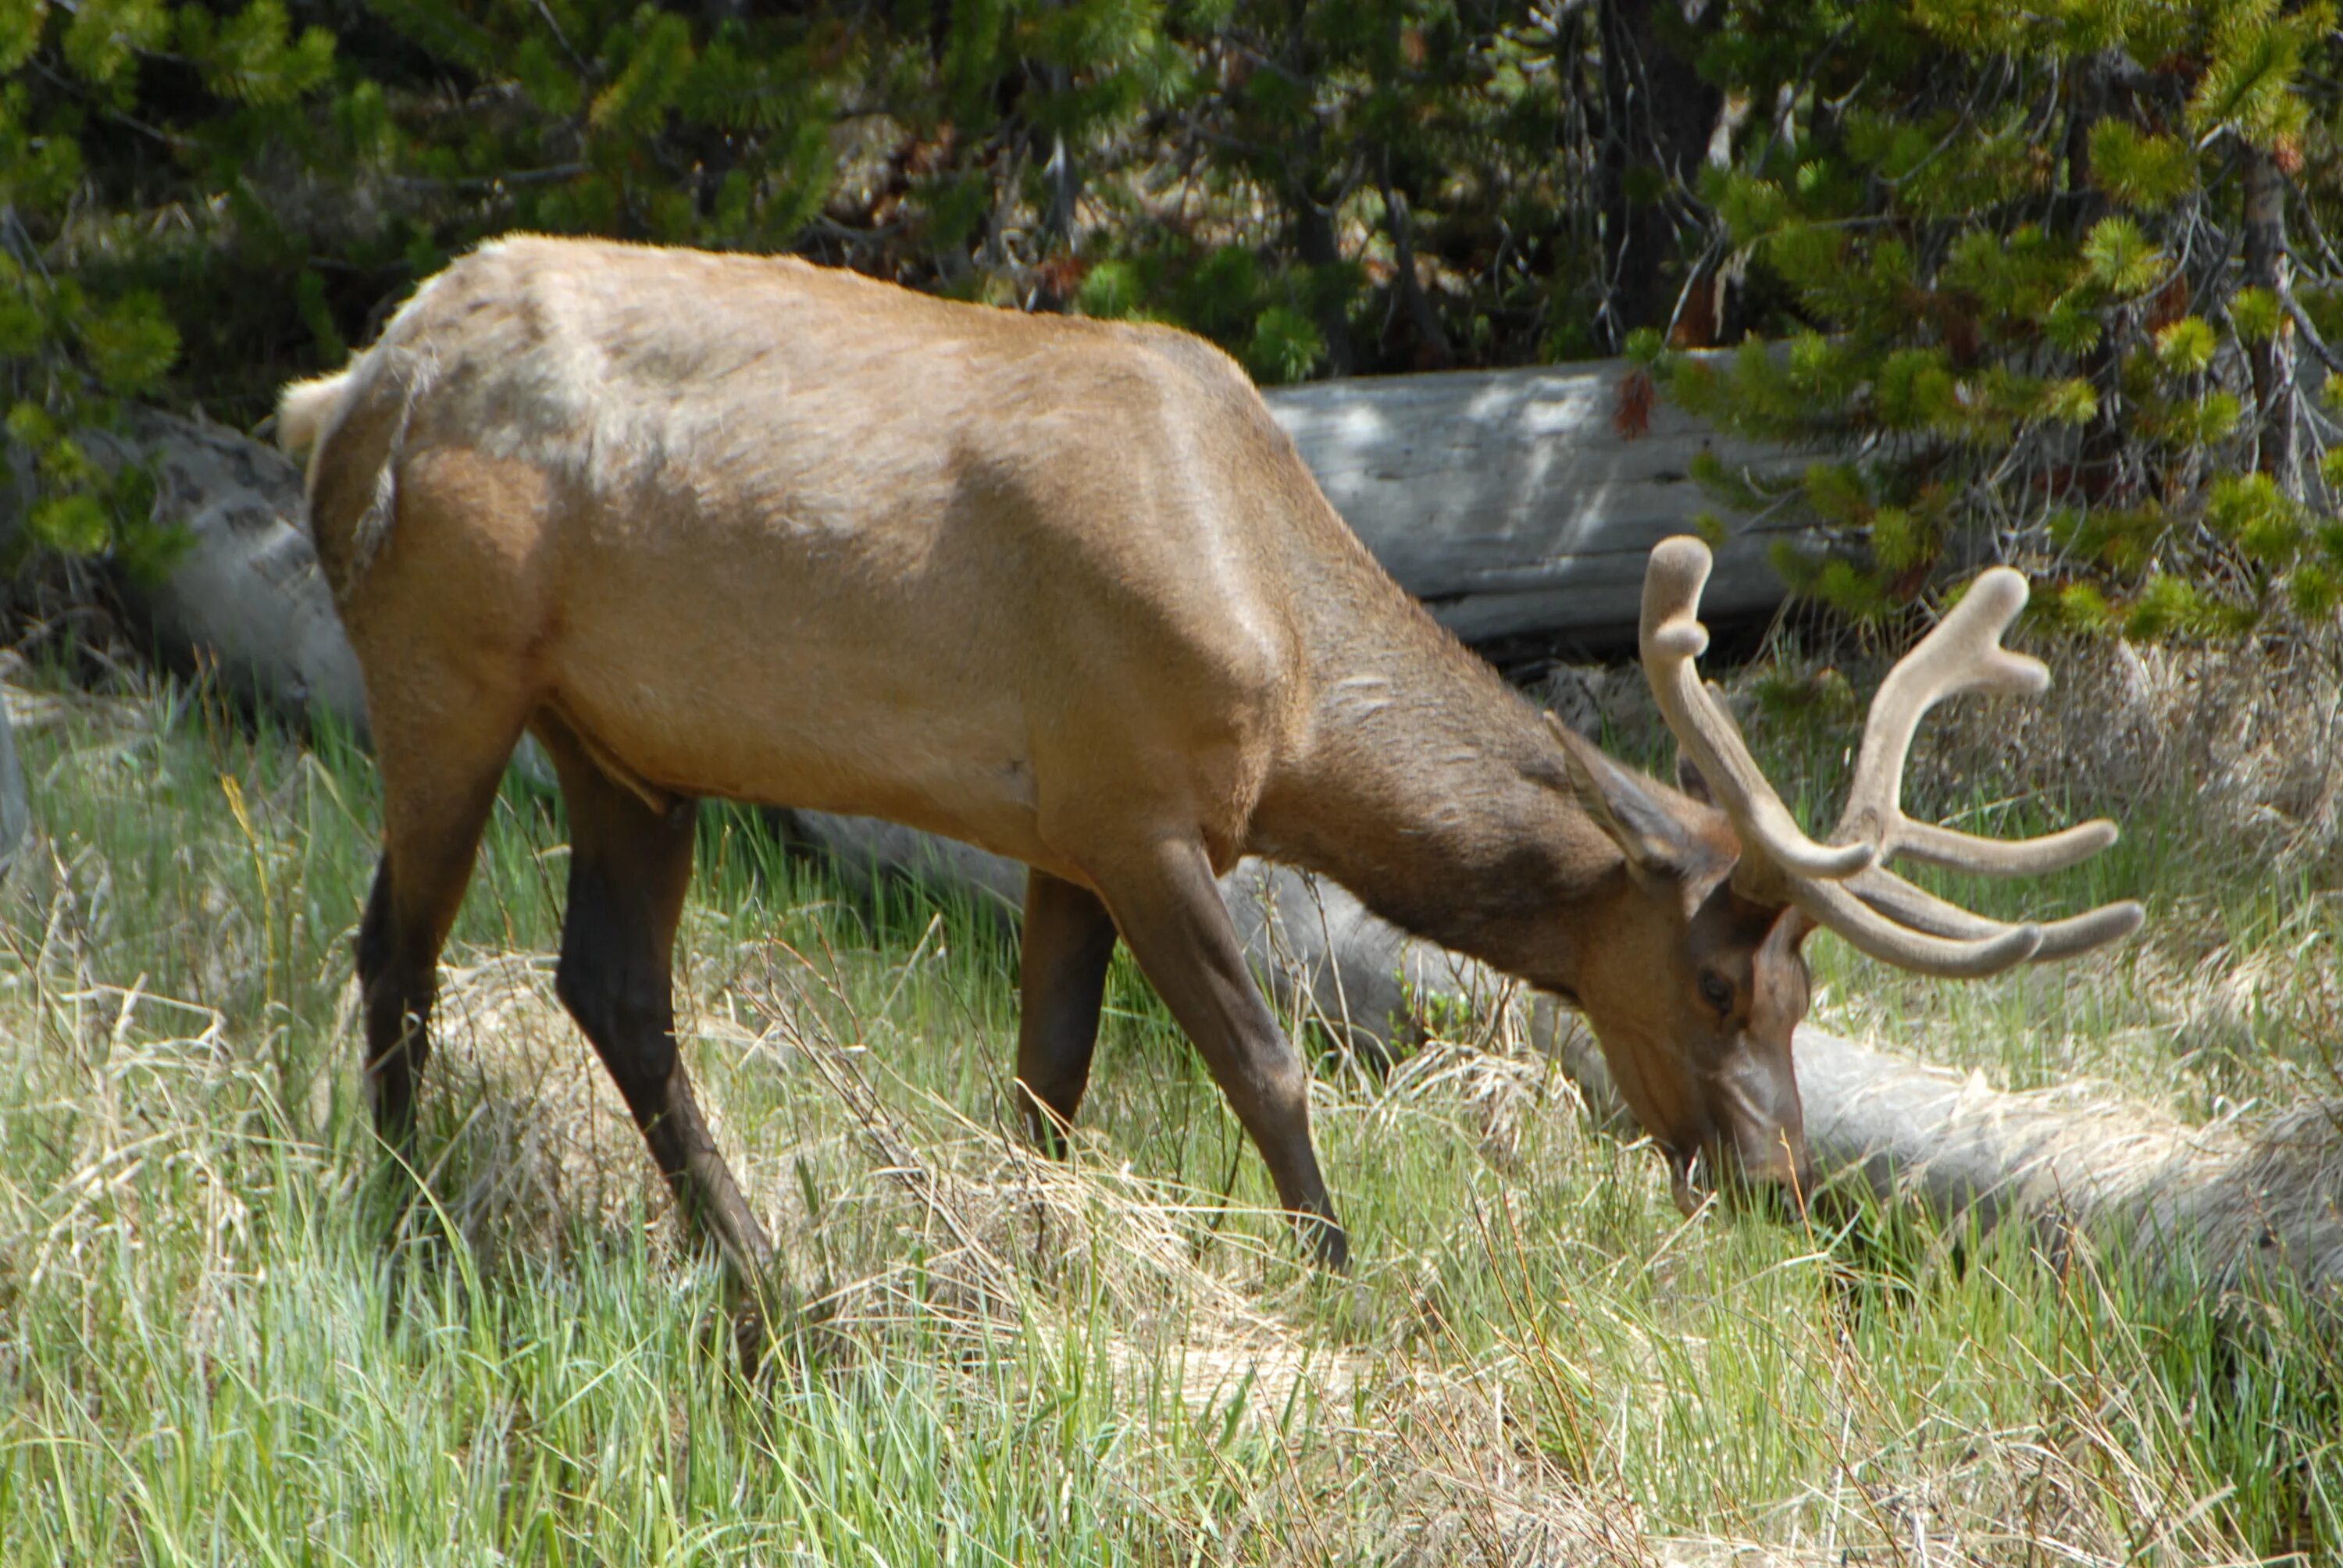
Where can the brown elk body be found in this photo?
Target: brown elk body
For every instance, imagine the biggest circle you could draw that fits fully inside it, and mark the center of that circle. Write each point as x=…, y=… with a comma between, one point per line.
x=747, y=527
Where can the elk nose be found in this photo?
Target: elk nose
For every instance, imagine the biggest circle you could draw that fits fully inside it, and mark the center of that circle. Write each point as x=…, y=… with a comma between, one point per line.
x=1770, y=1174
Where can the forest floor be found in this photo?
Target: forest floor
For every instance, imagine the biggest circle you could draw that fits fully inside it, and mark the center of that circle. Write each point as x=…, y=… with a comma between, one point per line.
x=207, y=1354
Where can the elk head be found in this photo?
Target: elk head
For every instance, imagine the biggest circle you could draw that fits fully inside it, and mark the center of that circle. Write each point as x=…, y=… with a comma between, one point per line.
x=1694, y=978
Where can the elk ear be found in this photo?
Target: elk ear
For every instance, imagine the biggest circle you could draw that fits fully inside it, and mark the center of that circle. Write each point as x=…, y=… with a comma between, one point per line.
x=1690, y=780
x=1623, y=804
x=1792, y=928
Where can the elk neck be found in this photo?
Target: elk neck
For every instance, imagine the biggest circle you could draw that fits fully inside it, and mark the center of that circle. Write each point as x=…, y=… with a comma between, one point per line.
x=1436, y=794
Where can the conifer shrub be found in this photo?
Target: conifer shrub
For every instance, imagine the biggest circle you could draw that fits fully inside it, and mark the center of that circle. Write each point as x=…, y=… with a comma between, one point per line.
x=2044, y=284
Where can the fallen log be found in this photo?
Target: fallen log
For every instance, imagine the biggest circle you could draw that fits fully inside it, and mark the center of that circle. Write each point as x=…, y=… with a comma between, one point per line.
x=1328, y=961
x=244, y=596
x=2217, y=1207
x=2230, y=1208
x=1511, y=502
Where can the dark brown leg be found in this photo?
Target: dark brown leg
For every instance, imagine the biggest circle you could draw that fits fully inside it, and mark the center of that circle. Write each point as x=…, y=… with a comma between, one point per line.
x=396, y=981
x=435, y=805
x=629, y=869
x=1170, y=911
x=1069, y=939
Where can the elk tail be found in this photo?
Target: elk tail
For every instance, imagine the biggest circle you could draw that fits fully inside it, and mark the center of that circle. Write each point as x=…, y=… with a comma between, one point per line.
x=305, y=407
x=350, y=427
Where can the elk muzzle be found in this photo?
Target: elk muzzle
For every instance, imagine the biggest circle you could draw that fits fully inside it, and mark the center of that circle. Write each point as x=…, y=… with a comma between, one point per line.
x=1753, y=1158
x=1777, y=1185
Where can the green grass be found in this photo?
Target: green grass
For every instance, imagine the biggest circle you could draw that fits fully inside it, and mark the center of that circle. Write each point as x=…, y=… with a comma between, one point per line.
x=208, y=1356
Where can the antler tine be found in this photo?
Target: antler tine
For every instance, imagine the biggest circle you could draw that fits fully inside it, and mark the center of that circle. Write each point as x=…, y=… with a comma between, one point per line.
x=1672, y=638
x=1890, y=895
x=1934, y=846
x=1963, y=654
x=1916, y=947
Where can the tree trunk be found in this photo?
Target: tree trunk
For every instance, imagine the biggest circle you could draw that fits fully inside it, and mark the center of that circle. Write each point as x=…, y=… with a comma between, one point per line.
x=2272, y=358
x=1309, y=189
x=2104, y=465
x=1315, y=243
x=1433, y=349
x=1658, y=118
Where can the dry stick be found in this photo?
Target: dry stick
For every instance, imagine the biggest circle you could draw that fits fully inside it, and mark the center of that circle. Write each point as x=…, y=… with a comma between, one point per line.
x=894, y=1156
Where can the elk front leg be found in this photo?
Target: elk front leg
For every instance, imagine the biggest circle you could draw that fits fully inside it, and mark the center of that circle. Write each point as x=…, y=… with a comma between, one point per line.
x=1069, y=940
x=1170, y=910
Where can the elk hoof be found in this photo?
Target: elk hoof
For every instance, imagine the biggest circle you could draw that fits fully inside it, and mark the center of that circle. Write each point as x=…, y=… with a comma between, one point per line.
x=1329, y=1244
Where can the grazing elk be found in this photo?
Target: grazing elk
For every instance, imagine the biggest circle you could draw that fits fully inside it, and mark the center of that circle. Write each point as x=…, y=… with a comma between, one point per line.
x=727, y=526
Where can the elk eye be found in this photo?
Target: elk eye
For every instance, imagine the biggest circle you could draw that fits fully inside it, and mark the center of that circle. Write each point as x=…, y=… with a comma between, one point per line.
x=1718, y=991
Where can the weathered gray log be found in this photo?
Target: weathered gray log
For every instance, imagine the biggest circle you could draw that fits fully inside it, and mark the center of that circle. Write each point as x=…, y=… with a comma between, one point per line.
x=2221, y=1206
x=244, y=599
x=1326, y=959
x=1509, y=503
x=2219, y=1203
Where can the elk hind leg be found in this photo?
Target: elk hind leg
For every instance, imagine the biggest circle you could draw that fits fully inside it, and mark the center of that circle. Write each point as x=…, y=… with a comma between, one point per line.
x=630, y=867
x=1069, y=940
x=439, y=783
